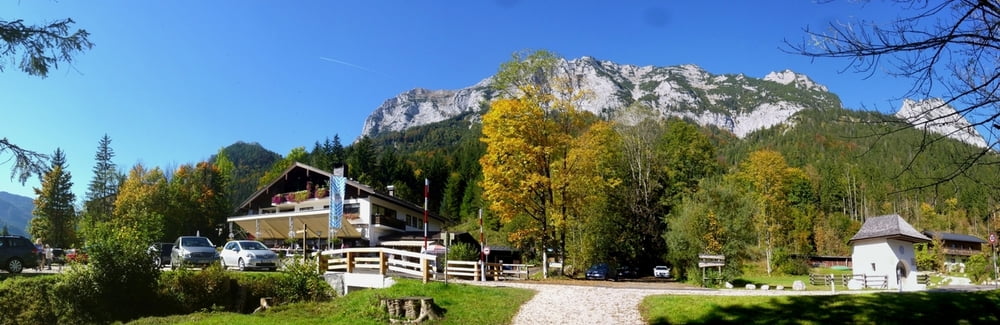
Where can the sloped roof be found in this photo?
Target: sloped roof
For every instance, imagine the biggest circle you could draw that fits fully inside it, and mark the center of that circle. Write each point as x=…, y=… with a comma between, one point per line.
x=890, y=227
x=953, y=236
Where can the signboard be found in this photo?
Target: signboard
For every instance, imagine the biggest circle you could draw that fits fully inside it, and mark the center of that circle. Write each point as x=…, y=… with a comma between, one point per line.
x=993, y=239
x=486, y=250
x=705, y=260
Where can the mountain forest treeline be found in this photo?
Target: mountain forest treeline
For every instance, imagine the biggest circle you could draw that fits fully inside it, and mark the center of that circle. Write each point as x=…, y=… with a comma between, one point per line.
x=559, y=183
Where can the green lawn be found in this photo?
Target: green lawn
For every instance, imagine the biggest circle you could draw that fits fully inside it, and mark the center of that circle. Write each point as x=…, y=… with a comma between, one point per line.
x=463, y=304
x=874, y=308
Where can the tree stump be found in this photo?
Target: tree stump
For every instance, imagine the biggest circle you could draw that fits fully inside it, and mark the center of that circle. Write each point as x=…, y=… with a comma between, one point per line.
x=410, y=310
x=265, y=303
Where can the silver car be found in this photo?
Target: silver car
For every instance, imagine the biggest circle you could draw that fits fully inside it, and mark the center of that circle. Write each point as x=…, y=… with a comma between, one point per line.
x=248, y=254
x=192, y=251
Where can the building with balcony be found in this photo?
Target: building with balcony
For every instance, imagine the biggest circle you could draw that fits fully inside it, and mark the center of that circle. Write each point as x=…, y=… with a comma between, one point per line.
x=297, y=205
x=957, y=248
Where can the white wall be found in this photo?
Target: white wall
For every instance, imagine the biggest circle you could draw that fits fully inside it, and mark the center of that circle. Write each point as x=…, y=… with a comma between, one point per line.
x=885, y=254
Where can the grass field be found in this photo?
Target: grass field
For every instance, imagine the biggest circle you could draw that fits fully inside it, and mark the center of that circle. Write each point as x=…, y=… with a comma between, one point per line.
x=875, y=308
x=463, y=304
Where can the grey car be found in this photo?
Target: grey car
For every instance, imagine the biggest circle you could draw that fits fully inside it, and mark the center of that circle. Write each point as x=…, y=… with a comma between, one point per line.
x=192, y=251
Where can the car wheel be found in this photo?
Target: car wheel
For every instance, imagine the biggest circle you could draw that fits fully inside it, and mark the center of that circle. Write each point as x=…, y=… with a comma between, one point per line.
x=242, y=265
x=15, y=266
x=158, y=262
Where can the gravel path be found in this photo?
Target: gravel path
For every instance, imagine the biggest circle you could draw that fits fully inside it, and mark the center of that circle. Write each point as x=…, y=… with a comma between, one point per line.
x=601, y=304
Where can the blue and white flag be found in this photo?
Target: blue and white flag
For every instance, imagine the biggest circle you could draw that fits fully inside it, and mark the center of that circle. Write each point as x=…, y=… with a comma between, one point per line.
x=337, y=190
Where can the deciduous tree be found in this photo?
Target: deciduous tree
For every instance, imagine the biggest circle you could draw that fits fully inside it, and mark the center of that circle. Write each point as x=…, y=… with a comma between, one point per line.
x=529, y=133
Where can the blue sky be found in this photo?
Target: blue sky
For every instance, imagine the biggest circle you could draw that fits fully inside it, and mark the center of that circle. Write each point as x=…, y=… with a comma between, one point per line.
x=172, y=82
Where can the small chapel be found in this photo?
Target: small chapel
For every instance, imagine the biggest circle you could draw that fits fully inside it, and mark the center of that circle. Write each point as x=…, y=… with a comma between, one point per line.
x=884, y=247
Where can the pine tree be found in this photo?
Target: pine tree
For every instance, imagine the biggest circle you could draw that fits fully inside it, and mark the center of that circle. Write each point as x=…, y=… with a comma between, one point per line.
x=103, y=189
x=55, y=214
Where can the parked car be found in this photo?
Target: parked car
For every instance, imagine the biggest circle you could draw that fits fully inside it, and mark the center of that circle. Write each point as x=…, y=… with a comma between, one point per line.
x=58, y=256
x=160, y=253
x=76, y=255
x=192, y=251
x=17, y=253
x=248, y=254
x=601, y=271
x=661, y=271
x=627, y=272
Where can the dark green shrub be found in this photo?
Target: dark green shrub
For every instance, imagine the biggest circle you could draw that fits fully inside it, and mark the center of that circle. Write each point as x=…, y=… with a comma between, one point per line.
x=186, y=291
x=303, y=282
x=28, y=300
x=77, y=299
x=121, y=271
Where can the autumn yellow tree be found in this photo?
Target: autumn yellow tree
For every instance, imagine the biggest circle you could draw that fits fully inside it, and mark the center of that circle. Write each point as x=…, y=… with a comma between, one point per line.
x=535, y=157
x=768, y=176
x=143, y=202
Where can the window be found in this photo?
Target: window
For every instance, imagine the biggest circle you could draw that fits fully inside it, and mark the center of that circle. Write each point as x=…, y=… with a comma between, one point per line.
x=380, y=211
x=415, y=222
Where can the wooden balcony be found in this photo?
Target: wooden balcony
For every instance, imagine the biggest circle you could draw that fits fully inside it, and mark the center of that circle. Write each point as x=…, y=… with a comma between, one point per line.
x=961, y=251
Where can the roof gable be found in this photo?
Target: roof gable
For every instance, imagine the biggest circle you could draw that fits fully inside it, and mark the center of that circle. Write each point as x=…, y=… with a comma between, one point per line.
x=890, y=227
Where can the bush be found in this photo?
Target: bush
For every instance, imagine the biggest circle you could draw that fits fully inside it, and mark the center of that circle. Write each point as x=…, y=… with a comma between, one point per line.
x=463, y=252
x=185, y=291
x=303, y=282
x=121, y=271
x=28, y=300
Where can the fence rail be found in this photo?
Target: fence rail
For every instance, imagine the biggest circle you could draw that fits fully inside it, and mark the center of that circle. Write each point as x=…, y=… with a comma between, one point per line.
x=867, y=281
x=424, y=266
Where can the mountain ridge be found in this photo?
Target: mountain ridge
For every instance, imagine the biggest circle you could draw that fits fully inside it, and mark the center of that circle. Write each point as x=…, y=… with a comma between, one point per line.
x=15, y=212
x=733, y=102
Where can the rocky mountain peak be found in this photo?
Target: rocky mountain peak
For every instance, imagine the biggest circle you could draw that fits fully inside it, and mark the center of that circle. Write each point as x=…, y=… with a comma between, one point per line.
x=789, y=77
x=934, y=115
x=736, y=103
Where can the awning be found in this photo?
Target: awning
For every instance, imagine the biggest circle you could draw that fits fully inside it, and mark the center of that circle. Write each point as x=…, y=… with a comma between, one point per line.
x=275, y=225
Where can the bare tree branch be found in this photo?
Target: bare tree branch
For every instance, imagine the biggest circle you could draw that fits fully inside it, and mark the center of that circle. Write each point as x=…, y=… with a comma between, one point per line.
x=949, y=50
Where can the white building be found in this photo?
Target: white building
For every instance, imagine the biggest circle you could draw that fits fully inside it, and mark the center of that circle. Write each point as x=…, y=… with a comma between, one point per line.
x=285, y=208
x=884, y=247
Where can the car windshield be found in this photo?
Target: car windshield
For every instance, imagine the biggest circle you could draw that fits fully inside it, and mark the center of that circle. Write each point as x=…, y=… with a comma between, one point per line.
x=196, y=242
x=254, y=246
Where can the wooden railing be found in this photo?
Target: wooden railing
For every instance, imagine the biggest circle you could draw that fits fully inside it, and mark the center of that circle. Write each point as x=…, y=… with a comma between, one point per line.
x=868, y=281
x=381, y=259
x=384, y=260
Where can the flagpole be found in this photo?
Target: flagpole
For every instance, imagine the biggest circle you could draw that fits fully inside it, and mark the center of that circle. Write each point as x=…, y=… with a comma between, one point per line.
x=427, y=186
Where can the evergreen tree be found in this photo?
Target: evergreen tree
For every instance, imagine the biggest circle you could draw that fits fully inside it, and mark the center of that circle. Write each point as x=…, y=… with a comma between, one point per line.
x=55, y=213
x=103, y=189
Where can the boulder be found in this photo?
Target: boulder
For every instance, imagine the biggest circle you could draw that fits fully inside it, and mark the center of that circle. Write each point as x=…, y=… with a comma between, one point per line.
x=751, y=286
x=798, y=285
x=780, y=288
x=729, y=285
x=765, y=287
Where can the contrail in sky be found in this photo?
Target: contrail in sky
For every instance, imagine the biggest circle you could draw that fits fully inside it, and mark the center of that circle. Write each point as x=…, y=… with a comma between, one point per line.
x=347, y=64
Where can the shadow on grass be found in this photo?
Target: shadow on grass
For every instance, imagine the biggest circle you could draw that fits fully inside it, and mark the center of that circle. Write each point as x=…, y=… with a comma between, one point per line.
x=981, y=307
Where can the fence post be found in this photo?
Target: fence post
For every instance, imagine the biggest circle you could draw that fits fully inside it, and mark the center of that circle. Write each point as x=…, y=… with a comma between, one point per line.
x=425, y=266
x=350, y=262
x=383, y=264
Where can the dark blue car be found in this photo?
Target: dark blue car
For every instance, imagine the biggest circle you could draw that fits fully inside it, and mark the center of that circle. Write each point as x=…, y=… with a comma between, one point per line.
x=601, y=271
